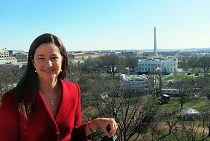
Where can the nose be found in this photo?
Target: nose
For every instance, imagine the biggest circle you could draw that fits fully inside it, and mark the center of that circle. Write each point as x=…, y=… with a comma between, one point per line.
x=49, y=63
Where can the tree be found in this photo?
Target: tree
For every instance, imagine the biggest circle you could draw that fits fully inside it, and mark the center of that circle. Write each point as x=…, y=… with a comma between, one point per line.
x=91, y=65
x=110, y=61
x=183, y=63
x=75, y=72
x=132, y=109
x=9, y=77
x=184, y=91
x=193, y=62
x=204, y=63
x=158, y=82
x=169, y=121
x=132, y=63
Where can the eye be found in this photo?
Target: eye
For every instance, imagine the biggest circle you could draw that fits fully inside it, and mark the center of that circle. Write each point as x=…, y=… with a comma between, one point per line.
x=54, y=57
x=40, y=58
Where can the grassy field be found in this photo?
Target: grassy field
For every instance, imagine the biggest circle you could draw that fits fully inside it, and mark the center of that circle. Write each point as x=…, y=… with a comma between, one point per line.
x=199, y=104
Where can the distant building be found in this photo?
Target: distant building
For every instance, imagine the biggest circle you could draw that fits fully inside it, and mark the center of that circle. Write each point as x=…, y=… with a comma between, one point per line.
x=5, y=58
x=8, y=60
x=80, y=57
x=140, y=82
x=170, y=92
x=166, y=65
x=21, y=56
x=4, y=53
x=131, y=53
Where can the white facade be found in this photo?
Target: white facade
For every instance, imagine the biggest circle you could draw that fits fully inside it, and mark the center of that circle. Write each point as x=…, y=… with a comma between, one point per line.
x=169, y=65
x=136, y=81
x=150, y=65
x=6, y=60
x=171, y=92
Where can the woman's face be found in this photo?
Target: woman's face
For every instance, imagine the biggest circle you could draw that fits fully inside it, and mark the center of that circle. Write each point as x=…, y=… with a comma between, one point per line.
x=47, y=62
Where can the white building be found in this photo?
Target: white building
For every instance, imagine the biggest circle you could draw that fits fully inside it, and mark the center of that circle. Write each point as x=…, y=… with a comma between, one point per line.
x=8, y=60
x=166, y=65
x=170, y=92
x=141, y=82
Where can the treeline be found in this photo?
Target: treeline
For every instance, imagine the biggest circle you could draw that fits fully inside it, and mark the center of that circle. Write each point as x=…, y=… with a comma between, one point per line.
x=195, y=63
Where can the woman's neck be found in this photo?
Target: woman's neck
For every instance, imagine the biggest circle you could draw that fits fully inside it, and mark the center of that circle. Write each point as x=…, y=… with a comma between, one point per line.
x=48, y=86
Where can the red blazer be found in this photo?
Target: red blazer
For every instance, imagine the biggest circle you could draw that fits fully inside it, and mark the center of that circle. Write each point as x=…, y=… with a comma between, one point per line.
x=42, y=126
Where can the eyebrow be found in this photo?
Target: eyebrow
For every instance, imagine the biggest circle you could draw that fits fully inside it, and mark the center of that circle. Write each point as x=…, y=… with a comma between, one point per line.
x=44, y=55
x=40, y=55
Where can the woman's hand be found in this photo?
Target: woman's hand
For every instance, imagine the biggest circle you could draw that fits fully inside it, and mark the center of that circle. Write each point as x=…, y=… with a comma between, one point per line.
x=103, y=123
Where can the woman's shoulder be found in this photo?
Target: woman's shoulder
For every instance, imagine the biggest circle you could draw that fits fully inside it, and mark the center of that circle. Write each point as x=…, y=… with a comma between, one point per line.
x=70, y=86
x=9, y=96
x=69, y=83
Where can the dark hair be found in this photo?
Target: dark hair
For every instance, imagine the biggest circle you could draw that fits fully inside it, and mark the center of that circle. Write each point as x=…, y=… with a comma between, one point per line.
x=28, y=86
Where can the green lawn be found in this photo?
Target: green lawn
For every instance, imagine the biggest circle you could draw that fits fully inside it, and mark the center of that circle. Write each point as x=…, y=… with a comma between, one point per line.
x=181, y=77
x=174, y=104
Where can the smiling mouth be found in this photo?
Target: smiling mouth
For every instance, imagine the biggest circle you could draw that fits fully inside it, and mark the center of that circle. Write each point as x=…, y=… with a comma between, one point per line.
x=49, y=71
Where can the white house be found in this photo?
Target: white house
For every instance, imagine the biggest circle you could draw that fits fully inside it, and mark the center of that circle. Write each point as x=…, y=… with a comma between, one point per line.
x=150, y=65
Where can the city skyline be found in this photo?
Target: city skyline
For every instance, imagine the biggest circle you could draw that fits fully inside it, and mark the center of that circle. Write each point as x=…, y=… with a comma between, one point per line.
x=107, y=24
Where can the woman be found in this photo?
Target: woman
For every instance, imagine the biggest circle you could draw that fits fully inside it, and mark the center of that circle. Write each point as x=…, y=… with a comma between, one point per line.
x=43, y=106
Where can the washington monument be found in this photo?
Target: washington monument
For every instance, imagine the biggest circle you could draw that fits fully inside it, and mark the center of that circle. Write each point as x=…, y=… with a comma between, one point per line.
x=155, y=42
